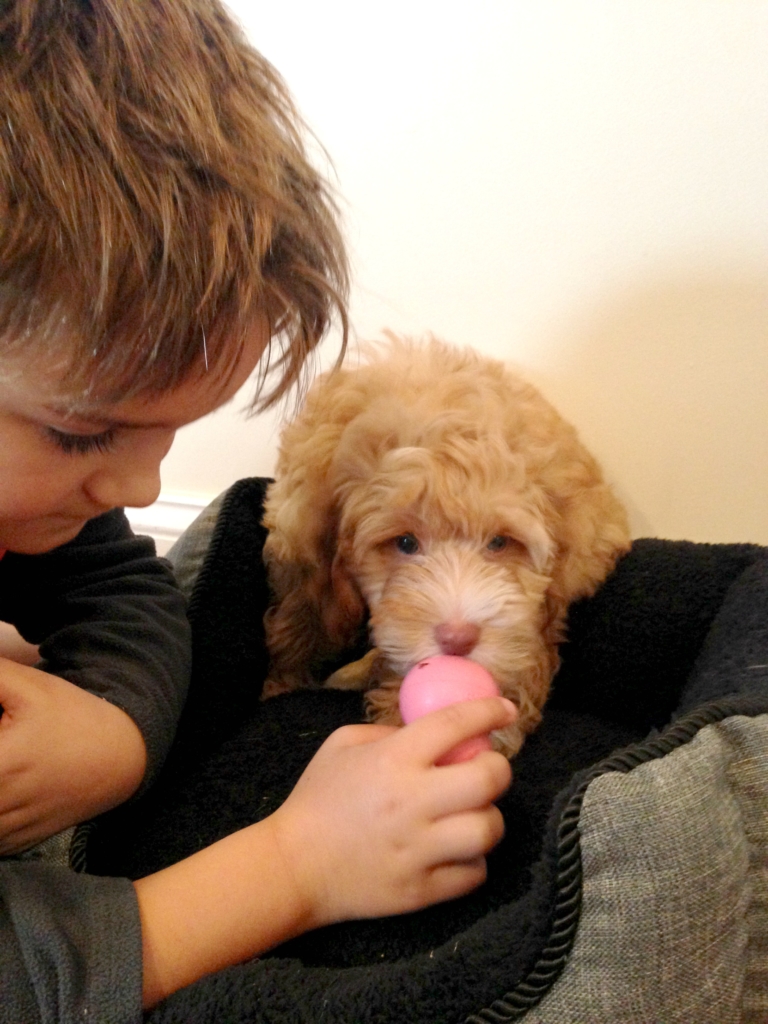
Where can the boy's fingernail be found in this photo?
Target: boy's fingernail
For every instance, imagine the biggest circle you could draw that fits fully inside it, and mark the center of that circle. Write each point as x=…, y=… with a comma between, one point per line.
x=510, y=706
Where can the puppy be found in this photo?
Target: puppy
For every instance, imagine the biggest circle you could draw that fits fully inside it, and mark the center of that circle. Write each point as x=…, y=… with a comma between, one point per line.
x=434, y=495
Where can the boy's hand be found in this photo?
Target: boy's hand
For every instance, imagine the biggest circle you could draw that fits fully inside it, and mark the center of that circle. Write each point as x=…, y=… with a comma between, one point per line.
x=374, y=827
x=65, y=755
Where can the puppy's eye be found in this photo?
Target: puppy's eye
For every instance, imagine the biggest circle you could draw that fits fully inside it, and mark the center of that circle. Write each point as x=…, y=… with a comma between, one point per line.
x=499, y=543
x=406, y=544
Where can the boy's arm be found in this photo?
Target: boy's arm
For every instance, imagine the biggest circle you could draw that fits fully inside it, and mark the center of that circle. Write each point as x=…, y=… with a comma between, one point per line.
x=108, y=617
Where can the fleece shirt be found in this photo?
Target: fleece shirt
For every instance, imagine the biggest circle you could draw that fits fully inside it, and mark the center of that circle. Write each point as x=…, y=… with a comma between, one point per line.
x=107, y=616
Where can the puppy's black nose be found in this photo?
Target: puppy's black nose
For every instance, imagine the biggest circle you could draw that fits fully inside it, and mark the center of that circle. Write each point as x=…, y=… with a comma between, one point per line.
x=457, y=638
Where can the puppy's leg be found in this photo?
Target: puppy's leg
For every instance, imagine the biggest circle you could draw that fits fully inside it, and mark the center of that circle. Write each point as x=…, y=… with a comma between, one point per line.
x=274, y=687
x=381, y=704
x=356, y=675
x=508, y=741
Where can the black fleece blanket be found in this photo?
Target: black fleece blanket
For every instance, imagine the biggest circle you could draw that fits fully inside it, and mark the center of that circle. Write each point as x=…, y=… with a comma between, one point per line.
x=676, y=638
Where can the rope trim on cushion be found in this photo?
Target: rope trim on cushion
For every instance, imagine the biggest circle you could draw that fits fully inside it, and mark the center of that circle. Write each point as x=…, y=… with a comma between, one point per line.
x=533, y=987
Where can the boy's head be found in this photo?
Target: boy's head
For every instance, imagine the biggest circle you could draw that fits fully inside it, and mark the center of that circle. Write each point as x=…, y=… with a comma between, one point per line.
x=155, y=199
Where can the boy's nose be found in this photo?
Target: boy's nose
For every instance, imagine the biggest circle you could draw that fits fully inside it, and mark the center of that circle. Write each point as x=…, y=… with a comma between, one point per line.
x=132, y=478
x=133, y=489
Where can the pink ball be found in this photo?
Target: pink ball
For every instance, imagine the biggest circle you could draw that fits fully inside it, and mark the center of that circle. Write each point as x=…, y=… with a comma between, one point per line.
x=446, y=679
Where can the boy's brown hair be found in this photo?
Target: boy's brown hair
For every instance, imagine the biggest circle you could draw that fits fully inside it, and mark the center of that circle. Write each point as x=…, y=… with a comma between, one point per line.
x=155, y=195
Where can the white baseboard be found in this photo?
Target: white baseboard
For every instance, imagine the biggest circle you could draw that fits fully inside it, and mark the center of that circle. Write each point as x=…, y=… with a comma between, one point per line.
x=166, y=519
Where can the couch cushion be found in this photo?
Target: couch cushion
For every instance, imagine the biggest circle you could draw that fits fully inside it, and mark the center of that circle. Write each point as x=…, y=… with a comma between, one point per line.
x=674, y=914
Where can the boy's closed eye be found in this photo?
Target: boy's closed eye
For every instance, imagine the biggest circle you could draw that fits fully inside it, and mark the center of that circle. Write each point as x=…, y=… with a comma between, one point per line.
x=82, y=444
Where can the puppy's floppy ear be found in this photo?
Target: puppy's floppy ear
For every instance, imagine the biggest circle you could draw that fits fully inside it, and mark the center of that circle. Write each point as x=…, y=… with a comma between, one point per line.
x=343, y=606
x=316, y=607
x=591, y=533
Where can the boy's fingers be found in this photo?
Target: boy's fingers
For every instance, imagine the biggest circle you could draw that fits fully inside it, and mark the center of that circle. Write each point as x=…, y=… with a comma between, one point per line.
x=451, y=880
x=469, y=784
x=430, y=738
x=462, y=837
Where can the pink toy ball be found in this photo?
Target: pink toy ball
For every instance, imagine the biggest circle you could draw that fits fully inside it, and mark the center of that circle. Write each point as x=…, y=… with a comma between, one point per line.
x=446, y=679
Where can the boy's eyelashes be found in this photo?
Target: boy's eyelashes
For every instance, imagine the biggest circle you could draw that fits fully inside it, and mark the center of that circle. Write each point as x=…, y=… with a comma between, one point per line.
x=82, y=444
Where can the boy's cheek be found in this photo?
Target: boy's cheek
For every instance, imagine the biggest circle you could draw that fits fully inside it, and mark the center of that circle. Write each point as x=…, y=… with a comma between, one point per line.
x=39, y=497
x=33, y=536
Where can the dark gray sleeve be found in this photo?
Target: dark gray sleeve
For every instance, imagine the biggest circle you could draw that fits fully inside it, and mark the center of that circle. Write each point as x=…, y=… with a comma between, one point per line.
x=70, y=947
x=108, y=616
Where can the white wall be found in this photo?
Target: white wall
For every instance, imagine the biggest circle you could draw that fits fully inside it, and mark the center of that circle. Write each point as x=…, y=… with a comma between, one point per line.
x=577, y=186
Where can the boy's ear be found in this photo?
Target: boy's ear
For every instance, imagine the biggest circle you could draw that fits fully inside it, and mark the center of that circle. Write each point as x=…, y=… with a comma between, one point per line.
x=343, y=606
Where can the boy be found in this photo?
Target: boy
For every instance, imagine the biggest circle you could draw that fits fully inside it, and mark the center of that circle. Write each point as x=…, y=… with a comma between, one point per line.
x=161, y=234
